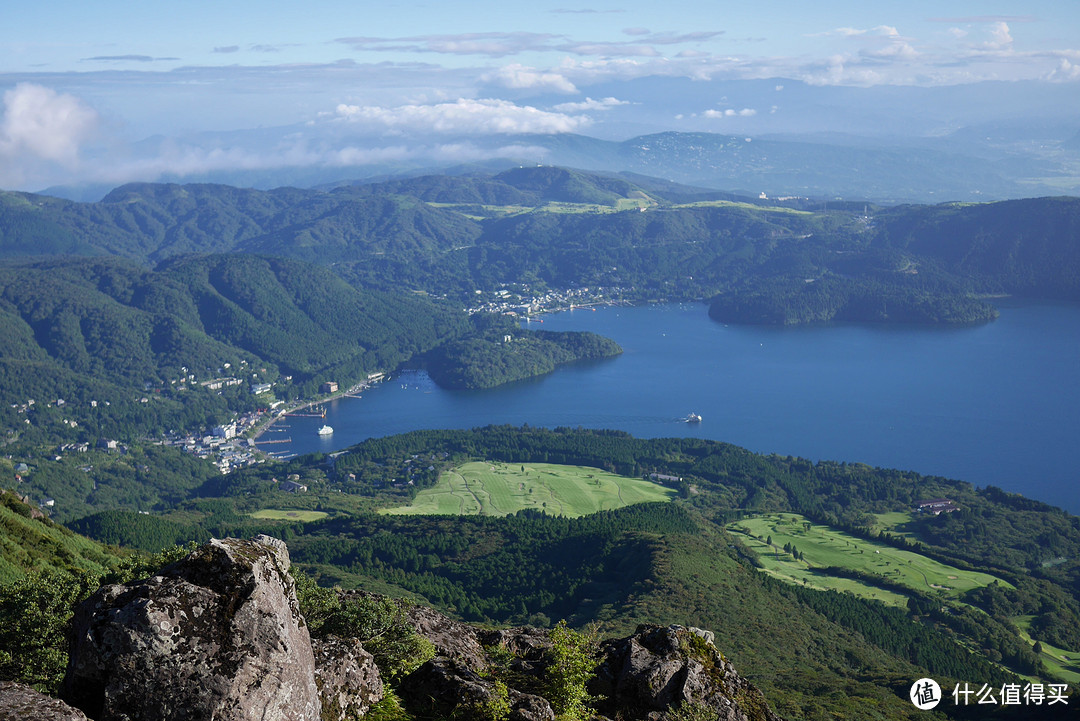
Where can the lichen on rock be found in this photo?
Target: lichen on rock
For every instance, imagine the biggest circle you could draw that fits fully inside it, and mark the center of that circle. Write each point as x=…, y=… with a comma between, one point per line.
x=213, y=636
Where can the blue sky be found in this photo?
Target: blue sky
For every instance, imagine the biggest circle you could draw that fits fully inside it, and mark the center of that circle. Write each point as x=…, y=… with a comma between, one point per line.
x=84, y=81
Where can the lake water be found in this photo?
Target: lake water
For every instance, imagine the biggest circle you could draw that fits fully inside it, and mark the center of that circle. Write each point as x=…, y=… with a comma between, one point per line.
x=995, y=404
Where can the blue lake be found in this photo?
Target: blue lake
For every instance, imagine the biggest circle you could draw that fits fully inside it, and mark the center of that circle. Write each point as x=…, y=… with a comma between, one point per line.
x=995, y=404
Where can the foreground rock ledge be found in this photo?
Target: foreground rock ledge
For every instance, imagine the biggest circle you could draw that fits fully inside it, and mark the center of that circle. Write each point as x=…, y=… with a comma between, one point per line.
x=217, y=635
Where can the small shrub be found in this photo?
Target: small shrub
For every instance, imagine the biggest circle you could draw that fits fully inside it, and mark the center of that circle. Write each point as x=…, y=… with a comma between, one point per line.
x=497, y=705
x=143, y=565
x=379, y=623
x=572, y=666
x=688, y=711
x=35, y=617
x=388, y=708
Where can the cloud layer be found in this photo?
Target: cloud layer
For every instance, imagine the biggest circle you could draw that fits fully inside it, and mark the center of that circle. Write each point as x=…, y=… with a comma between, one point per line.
x=41, y=127
x=465, y=116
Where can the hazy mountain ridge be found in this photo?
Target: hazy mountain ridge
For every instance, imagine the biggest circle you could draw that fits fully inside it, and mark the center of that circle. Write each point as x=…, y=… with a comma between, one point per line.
x=565, y=228
x=884, y=160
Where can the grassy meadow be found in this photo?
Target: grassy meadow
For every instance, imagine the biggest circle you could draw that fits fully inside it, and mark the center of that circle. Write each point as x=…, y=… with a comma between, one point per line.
x=275, y=514
x=499, y=489
x=1063, y=663
x=821, y=547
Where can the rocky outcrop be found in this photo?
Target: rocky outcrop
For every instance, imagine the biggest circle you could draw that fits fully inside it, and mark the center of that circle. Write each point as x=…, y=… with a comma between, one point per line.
x=217, y=635
x=22, y=703
x=452, y=639
x=444, y=687
x=659, y=668
x=460, y=680
x=347, y=678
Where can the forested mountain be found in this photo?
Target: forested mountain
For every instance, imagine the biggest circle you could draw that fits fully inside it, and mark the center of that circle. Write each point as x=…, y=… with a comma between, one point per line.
x=1026, y=247
x=554, y=228
x=525, y=186
x=107, y=330
x=119, y=324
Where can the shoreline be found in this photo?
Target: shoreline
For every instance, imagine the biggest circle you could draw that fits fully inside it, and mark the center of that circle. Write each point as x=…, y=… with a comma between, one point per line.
x=261, y=428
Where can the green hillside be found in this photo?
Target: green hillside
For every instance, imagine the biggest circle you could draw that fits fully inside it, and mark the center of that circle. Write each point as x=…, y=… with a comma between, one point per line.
x=30, y=542
x=543, y=227
x=661, y=562
x=103, y=331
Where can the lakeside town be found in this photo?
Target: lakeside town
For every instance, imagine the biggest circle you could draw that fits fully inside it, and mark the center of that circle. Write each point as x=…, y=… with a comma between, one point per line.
x=251, y=437
x=237, y=444
x=248, y=439
x=518, y=300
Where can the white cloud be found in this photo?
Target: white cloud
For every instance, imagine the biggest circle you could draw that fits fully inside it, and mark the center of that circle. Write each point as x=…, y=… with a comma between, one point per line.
x=730, y=113
x=897, y=50
x=44, y=124
x=1000, y=37
x=608, y=49
x=178, y=160
x=1066, y=71
x=469, y=116
x=41, y=133
x=520, y=76
x=880, y=30
x=590, y=104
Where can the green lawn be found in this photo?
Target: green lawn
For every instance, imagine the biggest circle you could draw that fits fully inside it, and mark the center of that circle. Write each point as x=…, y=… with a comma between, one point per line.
x=283, y=515
x=782, y=566
x=1060, y=662
x=891, y=521
x=499, y=489
x=554, y=207
x=746, y=206
x=822, y=546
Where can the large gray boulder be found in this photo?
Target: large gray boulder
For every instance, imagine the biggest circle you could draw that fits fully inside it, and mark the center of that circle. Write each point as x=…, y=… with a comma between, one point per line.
x=19, y=702
x=659, y=668
x=445, y=688
x=217, y=635
x=347, y=677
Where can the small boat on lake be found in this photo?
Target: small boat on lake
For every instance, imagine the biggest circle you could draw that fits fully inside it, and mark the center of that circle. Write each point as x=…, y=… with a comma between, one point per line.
x=693, y=418
x=326, y=431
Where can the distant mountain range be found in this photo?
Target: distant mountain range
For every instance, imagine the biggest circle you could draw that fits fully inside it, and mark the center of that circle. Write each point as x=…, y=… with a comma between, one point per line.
x=972, y=164
x=548, y=226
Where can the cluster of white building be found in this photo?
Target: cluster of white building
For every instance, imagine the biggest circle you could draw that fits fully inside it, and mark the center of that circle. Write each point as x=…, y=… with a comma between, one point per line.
x=505, y=301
